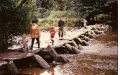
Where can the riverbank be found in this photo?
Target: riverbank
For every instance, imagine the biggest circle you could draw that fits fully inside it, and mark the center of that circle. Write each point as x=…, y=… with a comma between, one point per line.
x=99, y=58
x=48, y=56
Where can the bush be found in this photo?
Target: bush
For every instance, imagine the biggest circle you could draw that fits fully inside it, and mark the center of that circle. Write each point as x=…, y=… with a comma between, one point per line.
x=45, y=23
x=70, y=22
x=14, y=20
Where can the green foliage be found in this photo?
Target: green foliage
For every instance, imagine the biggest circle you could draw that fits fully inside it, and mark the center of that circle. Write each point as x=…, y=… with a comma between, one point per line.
x=15, y=17
x=46, y=4
x=46, y=23
x=63, y=14
x=59, y=4
x=103, y=17
x=89, y=9
x=110, y=7
x=68, y=16
x=44, y=7
x=70, y=22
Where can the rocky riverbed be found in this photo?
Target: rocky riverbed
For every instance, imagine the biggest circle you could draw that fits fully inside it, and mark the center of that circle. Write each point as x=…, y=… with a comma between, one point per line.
x=99, y=58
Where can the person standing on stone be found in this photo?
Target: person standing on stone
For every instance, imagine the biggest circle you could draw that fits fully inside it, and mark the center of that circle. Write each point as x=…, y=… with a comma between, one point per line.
x=61, y=25
x=24, y=43
x=52, y=33
x=35, y=34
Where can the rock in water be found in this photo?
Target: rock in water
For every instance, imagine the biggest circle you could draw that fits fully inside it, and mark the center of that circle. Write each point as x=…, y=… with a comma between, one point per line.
x=12, y=68
x=86, y=38
x=55, y=56
x=52, y=51
x=61, y=50
x=69, y=48
x=89, y=34
x=75, y=50
x=93, y=28
x=72, y=49
x=81, y=36
x=74, y=44
x=41, y=61
x=77, y=40
x=84, y=43
x=97, y=32
x=80, y=47
x=62, y=59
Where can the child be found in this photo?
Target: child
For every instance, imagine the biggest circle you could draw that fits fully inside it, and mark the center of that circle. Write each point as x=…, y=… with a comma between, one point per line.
x=24, y=43
x=52, y=33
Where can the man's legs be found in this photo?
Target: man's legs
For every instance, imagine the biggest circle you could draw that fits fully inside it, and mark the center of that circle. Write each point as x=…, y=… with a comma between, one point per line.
x=38, y=41
x=32, y=43
x=61, y=32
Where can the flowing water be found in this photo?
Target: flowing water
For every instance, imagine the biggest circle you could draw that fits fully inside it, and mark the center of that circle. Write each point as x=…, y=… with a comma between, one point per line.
x=99, y=58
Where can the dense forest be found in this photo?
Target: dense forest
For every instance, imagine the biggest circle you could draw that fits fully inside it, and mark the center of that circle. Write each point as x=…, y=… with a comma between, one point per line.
x=16, y=15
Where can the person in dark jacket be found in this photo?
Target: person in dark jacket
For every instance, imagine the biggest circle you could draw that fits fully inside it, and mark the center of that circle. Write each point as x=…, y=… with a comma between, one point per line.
x=61, y=25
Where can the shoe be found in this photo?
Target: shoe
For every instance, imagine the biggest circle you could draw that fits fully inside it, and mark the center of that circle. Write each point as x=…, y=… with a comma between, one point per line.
x=52, y=42
x=31, y=48
x=39, y=47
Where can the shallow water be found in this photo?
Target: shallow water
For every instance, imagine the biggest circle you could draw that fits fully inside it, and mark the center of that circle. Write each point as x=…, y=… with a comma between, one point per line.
x=99, y=58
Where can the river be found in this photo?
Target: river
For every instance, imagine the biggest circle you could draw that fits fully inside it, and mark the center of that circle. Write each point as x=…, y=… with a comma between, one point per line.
x=99, y=58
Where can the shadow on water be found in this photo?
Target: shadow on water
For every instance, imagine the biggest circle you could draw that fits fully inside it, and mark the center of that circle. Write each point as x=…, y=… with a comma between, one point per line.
x=99, y=58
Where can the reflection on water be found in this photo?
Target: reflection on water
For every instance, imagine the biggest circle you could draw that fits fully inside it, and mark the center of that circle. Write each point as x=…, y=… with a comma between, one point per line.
x=99, y=58
x=37, y=71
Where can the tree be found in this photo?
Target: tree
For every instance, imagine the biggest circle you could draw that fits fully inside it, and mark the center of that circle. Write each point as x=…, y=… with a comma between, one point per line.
x=15, y=17
x=110, y=8
x=89, y=9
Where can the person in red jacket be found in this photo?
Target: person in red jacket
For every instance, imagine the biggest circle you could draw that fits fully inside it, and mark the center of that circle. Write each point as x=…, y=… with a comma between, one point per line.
x=52, y=33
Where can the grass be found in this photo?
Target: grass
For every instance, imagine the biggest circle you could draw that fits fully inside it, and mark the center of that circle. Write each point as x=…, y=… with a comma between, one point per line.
x=68, y=17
